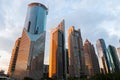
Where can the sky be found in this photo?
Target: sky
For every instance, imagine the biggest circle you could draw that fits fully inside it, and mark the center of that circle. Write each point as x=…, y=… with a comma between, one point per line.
x=96, y=19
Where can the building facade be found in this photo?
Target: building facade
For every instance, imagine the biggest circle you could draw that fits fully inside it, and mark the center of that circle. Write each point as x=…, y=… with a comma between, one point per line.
x=30, y=58
x=67, y=63
x=103, y=56
x=114, y=59
x=13, y=59
x=91, y=60
x=46, y=70
x=75, y=53
x=57, y=53
x=118, y=50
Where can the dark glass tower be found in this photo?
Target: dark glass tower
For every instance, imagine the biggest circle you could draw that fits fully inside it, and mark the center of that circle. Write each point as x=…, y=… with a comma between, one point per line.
x=104, y=59
x=114, y=58
x=30, y=57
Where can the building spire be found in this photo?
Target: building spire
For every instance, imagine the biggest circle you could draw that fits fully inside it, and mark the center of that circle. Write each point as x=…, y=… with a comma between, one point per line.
x=86, y=40
x=61, y=25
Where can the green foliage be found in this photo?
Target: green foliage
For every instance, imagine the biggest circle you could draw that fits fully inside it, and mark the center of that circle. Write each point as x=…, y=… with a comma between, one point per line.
x=75, y=78
x=46, y=79
x=27, y=78
x=2, y=71
x=110, y=76
x=72, y=78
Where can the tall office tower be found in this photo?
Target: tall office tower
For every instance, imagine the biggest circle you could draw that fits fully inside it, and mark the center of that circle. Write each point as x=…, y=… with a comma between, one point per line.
x=45, y=71
x=75, y=53
x=12, y=64
x=103, y=56
x=57, y=52
x=118, y=50
x=31, y=50
x=91, y=60
x=67, y=62
x=114, y=58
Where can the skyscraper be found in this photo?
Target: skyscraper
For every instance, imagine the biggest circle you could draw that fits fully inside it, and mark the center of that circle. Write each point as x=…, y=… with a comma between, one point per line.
x=67, y=62
x=46, y=71
x=114, y=58
x=31, y=50
x=91, y=60
x=75, y=53
x=103, y=56
x=118, y=50
x=57, y=52
x=12, y=64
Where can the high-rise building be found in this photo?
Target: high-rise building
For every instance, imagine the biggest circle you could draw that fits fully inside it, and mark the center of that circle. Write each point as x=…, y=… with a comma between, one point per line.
x=114, y=58
x=75, y=53
x=31, y=50
x=91, y=60
x=57, y=52
x=46, y=71
x=12, y=64
x=67, y=62
x=103, y=56
x=118, y=50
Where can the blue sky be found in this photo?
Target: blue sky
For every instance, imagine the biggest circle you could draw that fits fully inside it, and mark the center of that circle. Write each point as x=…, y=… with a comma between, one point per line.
x=96, y=19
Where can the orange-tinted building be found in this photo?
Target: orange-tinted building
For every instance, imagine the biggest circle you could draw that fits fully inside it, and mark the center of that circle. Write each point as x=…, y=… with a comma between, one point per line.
x=57, y=52
x=30, y=59
x=91, y=60
x=75, y=53
x=14, y=55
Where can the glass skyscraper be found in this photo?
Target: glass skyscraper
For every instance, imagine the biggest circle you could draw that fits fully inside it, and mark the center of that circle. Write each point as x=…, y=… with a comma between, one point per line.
x=114, y=58
x=30, y=59
x=36, y=18
x=103, y=56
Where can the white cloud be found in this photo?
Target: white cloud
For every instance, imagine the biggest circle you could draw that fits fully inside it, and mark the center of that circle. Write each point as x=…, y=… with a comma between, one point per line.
x=112, y=27
x=4, y=60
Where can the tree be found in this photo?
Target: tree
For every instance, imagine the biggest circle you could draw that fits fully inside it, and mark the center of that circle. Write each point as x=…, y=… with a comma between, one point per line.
x=2, y=71
x=27, y=78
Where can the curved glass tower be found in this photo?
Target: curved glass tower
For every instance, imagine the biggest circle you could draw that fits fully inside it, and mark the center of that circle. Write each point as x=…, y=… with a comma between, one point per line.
x=30, y=59
x=114, y=58
x=103, y=56
x=36, y=18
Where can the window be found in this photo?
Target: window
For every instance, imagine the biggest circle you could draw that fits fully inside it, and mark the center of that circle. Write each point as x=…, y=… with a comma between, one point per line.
x=29, y=26
x=36, y=32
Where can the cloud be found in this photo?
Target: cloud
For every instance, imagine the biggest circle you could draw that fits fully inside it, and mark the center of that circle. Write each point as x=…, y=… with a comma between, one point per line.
x=112, y=27
x=10, y=28
x=4, y=60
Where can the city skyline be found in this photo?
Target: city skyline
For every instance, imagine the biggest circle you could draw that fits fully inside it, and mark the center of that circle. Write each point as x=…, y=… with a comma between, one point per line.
x=12, y=23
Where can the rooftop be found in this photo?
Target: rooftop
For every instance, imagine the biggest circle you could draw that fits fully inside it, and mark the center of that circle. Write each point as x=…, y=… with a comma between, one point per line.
x=38, y=4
